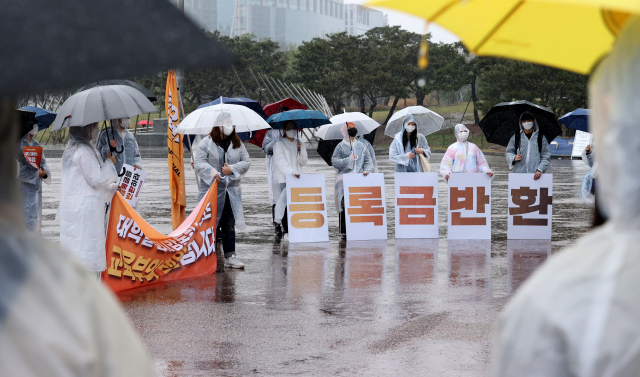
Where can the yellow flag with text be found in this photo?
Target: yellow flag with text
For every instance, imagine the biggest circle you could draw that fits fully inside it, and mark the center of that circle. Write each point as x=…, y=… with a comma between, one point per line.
x=175, y=151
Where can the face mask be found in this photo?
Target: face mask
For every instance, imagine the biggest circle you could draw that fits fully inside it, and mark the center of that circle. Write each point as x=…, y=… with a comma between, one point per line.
x=527, y=125
x=94, y=132
x=352, y=132
x=228, y=130
x=34, y=131
x=291, y=133
x=410, y=128
x=463, y=136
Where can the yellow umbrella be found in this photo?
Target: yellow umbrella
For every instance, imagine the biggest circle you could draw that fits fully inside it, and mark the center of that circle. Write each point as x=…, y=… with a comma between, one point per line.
x=567, y=34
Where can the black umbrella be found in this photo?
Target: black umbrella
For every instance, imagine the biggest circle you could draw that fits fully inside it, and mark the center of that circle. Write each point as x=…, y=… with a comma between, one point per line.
x=51, y=45
x=27, y=120
x=503, y=121
x=132, y=84
x=326, y=147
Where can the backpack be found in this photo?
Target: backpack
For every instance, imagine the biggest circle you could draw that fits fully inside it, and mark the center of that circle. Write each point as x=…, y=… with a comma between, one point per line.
x=517, y=141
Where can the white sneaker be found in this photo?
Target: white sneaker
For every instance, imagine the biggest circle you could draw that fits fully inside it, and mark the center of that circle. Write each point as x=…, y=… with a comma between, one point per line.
x=233, y=262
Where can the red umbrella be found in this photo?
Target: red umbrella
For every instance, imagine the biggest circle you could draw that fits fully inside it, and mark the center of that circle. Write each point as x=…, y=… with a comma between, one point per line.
x=274, y=108
x=145, y=122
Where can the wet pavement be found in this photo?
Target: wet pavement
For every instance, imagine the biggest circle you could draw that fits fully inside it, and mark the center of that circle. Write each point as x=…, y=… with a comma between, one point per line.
x=383, y=308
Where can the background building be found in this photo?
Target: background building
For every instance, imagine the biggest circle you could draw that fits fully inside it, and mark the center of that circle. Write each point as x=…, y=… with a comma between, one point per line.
x=288, y=22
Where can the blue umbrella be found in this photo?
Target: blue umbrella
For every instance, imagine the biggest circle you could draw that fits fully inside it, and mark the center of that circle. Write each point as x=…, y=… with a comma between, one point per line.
x=302, y=119
x=44, y=117
x=577, y=120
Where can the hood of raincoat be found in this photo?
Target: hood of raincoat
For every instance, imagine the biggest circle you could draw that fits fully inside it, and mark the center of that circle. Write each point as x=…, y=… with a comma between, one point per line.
x=343, y=131
x=613, y=97
x=535, y=122
x=460, y=127
x=78, y=136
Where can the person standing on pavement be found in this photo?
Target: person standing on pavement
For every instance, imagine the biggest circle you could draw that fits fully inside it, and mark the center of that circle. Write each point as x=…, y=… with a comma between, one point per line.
x=270, y=138
x=121, y=139
x=406, y=147
x=222, y=156
x=350, y=156
x=289, y=156
x=87, y=184
x=31, y=179
x=463, y=156
x=528, y=150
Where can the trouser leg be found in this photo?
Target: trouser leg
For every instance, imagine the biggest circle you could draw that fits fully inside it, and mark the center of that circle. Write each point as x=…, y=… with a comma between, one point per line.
x=273, y=215
x=227, y=229
x=343, y=222
x=285, y=222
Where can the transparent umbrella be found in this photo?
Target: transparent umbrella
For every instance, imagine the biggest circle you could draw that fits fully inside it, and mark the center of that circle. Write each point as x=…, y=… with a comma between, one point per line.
x=333, y=131
x=201, y=121
x=427, y=121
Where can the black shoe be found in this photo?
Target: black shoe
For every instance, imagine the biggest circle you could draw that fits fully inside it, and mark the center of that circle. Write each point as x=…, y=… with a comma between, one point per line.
x=343, y=236
x=278, y=231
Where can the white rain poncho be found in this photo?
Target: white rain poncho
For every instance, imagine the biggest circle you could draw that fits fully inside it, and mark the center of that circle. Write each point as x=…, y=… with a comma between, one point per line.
x=209, y=160
x=130, y=154
x=286, y=160
x=399, y=153
x=31, y=185
x=270, y=138
x=586, y=197
x=87, y=184
x=371, y=151
x=463, y=157
x=577, y=315
x=344, y=164
x=532, y=158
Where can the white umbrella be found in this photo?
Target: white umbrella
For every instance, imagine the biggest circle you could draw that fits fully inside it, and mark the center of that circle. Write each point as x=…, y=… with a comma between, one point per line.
x=427, y=121
x=332, y=131
x=201, y=121
x=102, y=103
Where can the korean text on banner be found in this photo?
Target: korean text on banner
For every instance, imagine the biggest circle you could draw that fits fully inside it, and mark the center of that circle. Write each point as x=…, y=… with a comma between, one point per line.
x=417, y=205
x=33, y=155
x=175, y=151
x=139, y=256
x=580, y=142
x=307, y=208
x=365, y=205
x=530, y=207
x=130, y=183
x=469, y=215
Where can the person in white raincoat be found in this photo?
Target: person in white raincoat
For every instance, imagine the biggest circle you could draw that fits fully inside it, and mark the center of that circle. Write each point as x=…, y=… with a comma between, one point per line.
x=350, y=156
x=270, y=138
x=31, y=179
x=289, y=156
x=55, y=318
x=463, y=156
x=406, y=145
x=577, y=315
x=588, y=186
x=222, y=155
x=87, y=184
x=532, y=155
x=122, y=137
x=371, y=151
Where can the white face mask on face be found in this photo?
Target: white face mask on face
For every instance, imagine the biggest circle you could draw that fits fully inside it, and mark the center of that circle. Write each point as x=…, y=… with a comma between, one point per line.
x=228, y=130
x=410, y=128
x=34, y=131
x=463, y=135
x=527, y=125
x=291, y=133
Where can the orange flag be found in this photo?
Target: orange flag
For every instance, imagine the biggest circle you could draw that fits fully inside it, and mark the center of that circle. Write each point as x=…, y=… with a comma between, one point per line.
x=176, y=151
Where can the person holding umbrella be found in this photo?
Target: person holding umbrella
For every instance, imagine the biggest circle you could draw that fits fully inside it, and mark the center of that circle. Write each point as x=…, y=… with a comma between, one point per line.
x=222, y=156
x=88, y=183
x=119, y=139
x=407, y=146
x=350, y=156
x=289, y=156
x=463, y=156
x=270, y=138
x=31, y=178
x=528, y=150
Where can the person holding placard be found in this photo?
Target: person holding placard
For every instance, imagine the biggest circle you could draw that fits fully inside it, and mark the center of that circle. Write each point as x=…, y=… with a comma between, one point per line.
x=528, y=150
x=289, y=156
x=463, y=156
x=222, y=155
x=122, y=140
x=31, y=173
x=350, y=156
x=408, y=146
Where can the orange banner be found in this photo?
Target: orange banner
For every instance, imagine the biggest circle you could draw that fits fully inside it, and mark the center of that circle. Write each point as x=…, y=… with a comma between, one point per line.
x=175, y=150
x=33, y=155
x=138, y=255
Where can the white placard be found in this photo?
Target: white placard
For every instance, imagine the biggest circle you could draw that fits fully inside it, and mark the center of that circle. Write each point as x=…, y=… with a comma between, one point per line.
x=580, y=142
x=365, y=206
x=416, y=205
x=130, y=183
x=469, y=199
x=307, y=208
x=530, y=207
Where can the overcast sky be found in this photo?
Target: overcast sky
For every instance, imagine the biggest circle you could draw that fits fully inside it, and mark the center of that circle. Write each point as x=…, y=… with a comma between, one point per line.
x=412, y=23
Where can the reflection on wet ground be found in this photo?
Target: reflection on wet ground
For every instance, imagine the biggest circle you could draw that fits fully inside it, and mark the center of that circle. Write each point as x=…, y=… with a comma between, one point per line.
x=394, y=307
